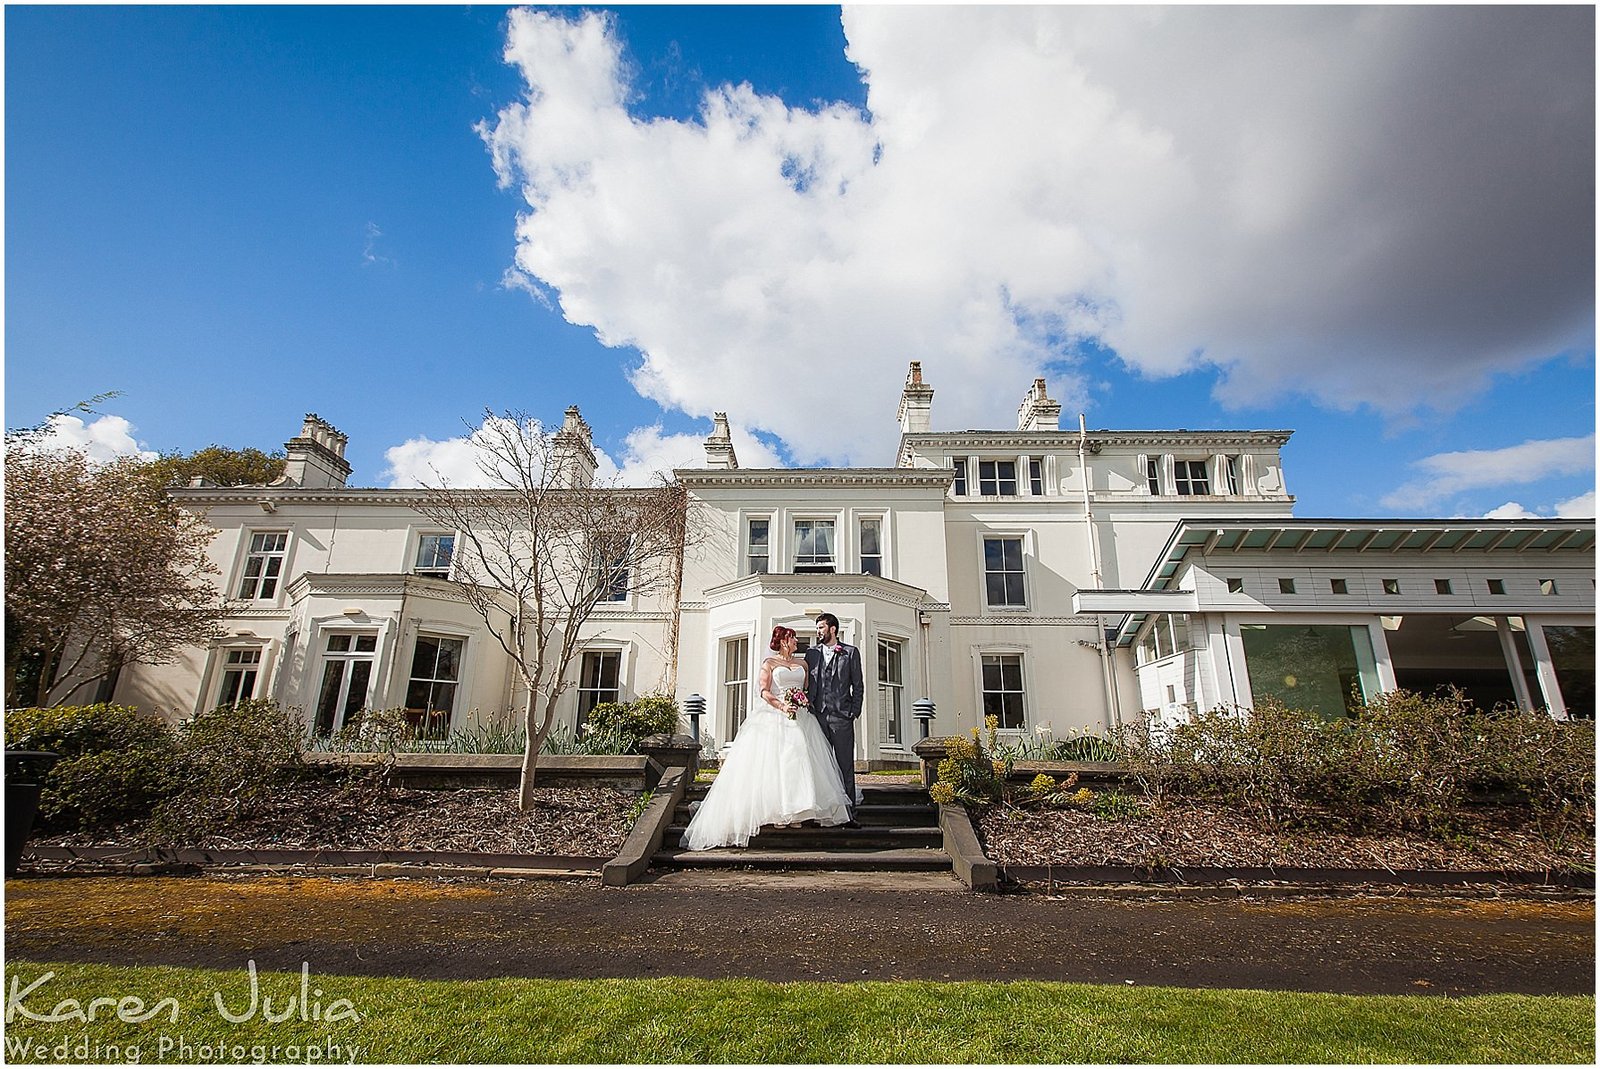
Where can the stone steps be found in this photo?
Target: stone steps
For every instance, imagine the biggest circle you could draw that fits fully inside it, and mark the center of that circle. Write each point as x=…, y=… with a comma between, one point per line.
x=899, y=833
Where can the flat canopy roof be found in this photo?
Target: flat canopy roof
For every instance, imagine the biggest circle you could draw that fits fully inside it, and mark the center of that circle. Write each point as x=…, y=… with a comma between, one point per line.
x=1304, y=538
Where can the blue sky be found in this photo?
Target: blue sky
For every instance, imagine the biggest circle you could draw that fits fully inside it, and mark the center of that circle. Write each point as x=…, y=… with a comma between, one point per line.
x=1263, y=218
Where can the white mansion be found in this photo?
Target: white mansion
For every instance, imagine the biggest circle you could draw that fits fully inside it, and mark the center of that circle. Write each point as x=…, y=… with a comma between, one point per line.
x=1057, y=579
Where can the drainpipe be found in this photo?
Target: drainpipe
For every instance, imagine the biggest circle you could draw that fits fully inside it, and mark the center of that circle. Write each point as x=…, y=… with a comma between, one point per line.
x=1107, y=676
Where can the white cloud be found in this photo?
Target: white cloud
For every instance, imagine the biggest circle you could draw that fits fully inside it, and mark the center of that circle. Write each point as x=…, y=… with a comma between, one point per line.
x=1290, y=194
x=106, y=438
x=1446, y=474
x=646, y=452
x=1577, y=508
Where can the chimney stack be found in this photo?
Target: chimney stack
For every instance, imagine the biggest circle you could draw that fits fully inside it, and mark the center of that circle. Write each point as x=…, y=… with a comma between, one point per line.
x=573, y=452
x=916, y=403
x=719, y=447
x=1037, y=412
x=315, y=459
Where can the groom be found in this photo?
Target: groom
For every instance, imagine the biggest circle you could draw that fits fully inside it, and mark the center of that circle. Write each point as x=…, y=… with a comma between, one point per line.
x=835, y=690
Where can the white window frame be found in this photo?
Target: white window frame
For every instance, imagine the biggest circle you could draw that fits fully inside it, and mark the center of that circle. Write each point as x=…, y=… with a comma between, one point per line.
x=621, y=650
x=247, y=554
x=1230, y=473
x=883, y=708
x=749, y=547
x=1024, y=654
x=620, y=579
x=460, y=682
x=1179, y=481
x=1026, y=539
x=420, y=541
x=998, y=481
x=961, y=484
x=325, y=636
x=814, y=567
x=215, y=678
x=724, y=645
x=882, y=555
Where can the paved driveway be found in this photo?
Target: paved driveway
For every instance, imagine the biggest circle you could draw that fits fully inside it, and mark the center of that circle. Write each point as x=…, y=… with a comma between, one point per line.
x=832, y=927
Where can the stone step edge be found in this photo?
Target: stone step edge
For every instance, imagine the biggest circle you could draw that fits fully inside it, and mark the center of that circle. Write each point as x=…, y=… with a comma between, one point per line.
x=1197, y=875
x=280, y=856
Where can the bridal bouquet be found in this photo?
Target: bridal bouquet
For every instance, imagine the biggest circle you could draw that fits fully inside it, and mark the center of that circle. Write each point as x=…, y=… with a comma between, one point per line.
x=795, y=699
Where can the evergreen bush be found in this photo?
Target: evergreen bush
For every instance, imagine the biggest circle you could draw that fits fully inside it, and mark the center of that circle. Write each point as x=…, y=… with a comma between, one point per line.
x=116, y=763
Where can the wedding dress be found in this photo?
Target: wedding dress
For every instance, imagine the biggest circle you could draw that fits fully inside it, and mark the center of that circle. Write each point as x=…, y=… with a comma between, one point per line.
x=776, y=771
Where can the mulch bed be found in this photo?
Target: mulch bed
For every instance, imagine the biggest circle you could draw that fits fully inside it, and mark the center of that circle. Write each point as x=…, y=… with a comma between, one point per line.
x=565, y=822
x=1199, y=834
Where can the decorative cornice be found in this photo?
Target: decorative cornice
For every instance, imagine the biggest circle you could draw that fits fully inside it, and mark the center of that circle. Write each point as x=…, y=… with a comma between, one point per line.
x=1022, y=620
x=1067, y=441
x=704, y=478
x=820, y=586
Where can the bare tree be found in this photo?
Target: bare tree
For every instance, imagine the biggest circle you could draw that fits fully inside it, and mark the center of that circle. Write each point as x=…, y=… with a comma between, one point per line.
x=540, y=546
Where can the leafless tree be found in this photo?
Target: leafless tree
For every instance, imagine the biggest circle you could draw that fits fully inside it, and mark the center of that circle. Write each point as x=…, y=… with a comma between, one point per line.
x=539, y=547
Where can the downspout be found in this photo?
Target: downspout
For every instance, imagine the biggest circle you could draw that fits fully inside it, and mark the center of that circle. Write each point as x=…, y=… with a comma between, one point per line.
x=1107, y=677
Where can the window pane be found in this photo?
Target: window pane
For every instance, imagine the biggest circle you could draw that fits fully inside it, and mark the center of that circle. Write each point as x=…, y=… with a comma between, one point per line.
x=360, y=672
x=338, y=643
x=1011, y=673
x=869, y=537
x=449, y=659
x=991, y=673
x=328, y=697
x=993, y=554
x=1314, y=668
x=424, y=660
x=1572, y=655
x=995, y=591
x=366, y=643
x=1012, y=549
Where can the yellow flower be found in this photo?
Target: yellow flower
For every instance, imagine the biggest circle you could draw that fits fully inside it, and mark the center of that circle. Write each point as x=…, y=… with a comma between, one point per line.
x=1082, y=796
x=990, y=722
x=1042, y=784
x=942, y=793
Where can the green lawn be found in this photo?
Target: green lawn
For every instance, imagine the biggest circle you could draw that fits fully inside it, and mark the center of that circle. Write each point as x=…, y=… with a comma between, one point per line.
x=684, y=1020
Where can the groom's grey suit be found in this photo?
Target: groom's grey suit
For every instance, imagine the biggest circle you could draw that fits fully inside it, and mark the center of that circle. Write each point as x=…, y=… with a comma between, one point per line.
x=835, y=689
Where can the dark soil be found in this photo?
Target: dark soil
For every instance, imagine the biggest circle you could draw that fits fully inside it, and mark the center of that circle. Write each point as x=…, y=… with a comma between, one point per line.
x=564, y=822
x=1192, y=833
x=818, y=926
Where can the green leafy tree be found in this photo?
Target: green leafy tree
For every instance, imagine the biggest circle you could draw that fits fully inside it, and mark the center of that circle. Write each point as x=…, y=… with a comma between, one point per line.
x=218, y=465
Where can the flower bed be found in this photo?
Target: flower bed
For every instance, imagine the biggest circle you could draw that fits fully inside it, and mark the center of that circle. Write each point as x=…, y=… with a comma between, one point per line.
x=565, y=821
x=1203, y=834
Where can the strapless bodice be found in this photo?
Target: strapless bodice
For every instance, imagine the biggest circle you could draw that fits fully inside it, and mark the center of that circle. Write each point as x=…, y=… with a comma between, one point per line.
x=784, y=677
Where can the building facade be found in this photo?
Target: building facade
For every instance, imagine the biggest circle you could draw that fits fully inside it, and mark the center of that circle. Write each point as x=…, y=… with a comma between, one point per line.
x=1059, y=580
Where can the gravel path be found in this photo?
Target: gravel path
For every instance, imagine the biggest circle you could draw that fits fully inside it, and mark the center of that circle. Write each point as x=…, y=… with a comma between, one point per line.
x=831, y=927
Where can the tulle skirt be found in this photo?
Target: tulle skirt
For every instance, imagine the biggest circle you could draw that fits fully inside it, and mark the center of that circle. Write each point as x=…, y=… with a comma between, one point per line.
x=777, y=771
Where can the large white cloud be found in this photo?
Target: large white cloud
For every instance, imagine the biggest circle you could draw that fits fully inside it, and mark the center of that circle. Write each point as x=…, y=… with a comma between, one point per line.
x=647, y=452
x=1368, y=205
x=1578, y=508
x=102, y=439
x=1444, y=475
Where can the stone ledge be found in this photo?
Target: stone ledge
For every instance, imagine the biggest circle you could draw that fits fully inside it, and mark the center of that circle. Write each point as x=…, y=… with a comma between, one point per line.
x=460, y=859
x=1203, y=875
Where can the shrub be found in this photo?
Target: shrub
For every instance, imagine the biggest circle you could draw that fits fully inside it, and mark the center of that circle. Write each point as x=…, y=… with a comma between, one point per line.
x=116, y=763
x=230, y=759
x=1405, y=759
x=977, y=771
x=646, y=715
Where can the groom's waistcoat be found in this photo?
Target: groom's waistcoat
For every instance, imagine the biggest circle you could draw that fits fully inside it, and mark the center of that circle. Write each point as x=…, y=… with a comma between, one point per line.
x=832, y=692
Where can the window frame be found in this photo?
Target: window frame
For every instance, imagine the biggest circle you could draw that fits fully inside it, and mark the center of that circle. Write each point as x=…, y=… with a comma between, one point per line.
x=749, y=545
x=815, y=567
x=1230, y=473
x=997, y=480
x=326, y=655
x=1036, y=476
x=1184, y=480
x=619, y=578
x=959, y=486
x=433, y=571
x=891, y=713
x=580, y=690
x=249, y=553
x=424, y=730
x=730, y=712
x=1152, y=475
x=980, y=655
x=1023, y=539
x=881, y=556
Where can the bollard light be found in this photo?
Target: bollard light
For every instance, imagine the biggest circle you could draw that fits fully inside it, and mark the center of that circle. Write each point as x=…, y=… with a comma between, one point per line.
x=694, y=705
x=922, y=709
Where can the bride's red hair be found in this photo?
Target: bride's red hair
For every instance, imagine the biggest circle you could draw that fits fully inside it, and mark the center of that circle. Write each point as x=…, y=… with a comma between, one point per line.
x=779, y=635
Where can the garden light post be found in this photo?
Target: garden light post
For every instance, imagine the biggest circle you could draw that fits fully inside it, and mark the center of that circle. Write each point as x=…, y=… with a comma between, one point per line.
x=694, y=705
x=923, y=711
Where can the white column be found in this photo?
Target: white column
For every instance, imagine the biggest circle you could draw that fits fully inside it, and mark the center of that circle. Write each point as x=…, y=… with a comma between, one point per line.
x=1169, y=475
x=1546, y=669
x=1508, y=649
x=1380, y=654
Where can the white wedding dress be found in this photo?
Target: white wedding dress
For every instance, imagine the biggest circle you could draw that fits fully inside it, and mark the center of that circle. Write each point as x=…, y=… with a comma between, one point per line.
x=776, y=771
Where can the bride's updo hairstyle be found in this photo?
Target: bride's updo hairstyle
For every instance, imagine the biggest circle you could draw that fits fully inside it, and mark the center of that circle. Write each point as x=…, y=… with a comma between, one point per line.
x=779, y=635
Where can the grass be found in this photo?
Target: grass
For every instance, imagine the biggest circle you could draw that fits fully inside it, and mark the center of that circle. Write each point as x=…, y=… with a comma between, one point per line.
x=678, y=1020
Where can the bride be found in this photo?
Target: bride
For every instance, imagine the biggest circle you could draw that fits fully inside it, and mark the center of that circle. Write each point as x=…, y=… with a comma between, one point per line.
x=779, y=770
